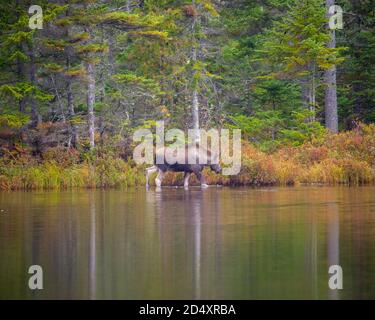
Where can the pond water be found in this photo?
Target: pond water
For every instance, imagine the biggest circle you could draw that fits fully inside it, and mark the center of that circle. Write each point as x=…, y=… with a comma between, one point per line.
x=218, y=243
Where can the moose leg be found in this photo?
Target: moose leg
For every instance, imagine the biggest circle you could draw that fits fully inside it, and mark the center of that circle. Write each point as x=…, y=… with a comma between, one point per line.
x=150, y=171
x=200, y=177
x=186, y=179
x=159, y=179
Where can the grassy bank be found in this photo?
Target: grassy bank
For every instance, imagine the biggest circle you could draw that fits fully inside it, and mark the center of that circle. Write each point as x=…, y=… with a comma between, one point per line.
x=347, y=158
x=63, y=169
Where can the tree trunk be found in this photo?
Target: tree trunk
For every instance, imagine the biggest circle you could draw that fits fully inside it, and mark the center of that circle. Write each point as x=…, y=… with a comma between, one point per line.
x=91, y=102
x=71, y=112
x=331, y=116
x=21, y=73
x=195, y=105
x=35, y=118
x=308, y=96
x=111, y=59
x=70, y=100
x=102, y=72
x=58, y=97
x=195, y=99
x=313, y=98
x=20, y=69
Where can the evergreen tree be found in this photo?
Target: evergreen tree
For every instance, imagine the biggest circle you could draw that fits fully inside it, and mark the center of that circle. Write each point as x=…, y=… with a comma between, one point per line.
x=19, y=59
x=356, y=93
x=296, y=49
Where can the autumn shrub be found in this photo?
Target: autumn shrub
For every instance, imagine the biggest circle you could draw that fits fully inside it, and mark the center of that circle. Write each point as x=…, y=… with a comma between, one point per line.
x=49, y=175
x=33, y=178
x=345, y=158
x=339, y=171
x=4, y=183
x=287, y=172
x=75, y=177
x=356, y=172
x=310, y=154
x=257, y=168
x=109, y=171
x=65, y=157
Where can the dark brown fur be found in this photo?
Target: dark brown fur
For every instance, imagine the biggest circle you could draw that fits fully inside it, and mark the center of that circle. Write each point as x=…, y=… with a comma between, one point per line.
x=185, y=167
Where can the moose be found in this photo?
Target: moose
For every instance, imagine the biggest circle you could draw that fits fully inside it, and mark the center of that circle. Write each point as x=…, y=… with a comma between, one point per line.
x=188, y=167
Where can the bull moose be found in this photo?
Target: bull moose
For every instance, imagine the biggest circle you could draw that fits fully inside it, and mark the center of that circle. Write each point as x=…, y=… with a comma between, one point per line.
x=188, y=167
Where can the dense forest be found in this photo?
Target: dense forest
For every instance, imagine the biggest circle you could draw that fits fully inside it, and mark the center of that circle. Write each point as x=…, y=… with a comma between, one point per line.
x=73, y=92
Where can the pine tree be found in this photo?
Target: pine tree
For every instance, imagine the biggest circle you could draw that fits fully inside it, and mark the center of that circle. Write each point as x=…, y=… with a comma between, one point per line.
x=357, y=94
x=296, y=48
x=20, y=61
x=86, y=47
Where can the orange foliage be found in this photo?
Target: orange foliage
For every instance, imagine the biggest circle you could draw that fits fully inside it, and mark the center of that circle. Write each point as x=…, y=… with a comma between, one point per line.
x=190, y=10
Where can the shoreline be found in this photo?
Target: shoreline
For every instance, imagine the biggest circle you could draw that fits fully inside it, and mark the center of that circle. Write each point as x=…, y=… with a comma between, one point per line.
x=191, y=187
x=347, y=158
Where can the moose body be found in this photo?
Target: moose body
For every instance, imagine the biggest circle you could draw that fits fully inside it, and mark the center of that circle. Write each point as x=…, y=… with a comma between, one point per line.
x=184, y=166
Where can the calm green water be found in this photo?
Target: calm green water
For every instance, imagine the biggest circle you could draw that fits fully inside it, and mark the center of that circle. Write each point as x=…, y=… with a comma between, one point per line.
x=217, y=243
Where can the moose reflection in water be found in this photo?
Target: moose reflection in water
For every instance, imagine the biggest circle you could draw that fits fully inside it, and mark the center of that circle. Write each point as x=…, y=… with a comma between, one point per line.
x=190, y=160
